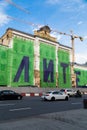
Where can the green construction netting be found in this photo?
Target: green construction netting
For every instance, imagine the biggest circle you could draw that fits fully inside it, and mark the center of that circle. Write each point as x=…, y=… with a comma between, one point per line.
x=20, y=49
x=10, y=59
x=47, y=52
x=63, y=57
x=81, y=77
x=3, y=65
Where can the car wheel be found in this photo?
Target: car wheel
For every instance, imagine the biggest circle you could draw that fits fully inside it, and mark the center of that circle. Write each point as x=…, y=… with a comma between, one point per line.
x=53, y=99
x=19, y=97
x=2, y=98
x=66, y=98
x=69, y=95
x=45, y=99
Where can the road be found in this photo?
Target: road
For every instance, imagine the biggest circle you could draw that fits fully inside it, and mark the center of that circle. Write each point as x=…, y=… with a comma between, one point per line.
x=33, y=106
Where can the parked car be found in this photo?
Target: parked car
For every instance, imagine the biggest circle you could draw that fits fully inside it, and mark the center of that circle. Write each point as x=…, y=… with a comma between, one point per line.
x=69, y=92
x=54, y=95
x=9, y=94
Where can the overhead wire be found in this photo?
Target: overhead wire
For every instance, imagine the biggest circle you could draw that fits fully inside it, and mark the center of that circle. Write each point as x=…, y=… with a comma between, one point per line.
x=29, y=23
x=17, y=6
x=38, y=26
x=26, y=11
x=32, y=24
x=23, y=21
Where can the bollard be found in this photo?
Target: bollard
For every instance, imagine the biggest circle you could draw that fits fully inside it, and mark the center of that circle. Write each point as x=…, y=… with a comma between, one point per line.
x=85, y=103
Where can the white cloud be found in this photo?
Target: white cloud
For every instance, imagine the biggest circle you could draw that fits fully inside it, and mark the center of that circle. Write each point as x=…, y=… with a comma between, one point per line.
x=3, y=19
x=80, y=22
x=85, y=37
x=62, y=1
x=80, y=58
x=68, y=5
x=3, y=15
x=54, y=34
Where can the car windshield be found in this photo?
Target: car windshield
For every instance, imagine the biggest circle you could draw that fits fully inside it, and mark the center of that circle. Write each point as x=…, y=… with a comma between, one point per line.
x=12, y=92
x=48, y=92
x=58, y=92
x=69, y=90
x=62, y=90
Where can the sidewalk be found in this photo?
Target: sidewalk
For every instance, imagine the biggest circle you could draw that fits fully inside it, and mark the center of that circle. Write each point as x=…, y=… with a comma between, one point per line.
x=66, y=120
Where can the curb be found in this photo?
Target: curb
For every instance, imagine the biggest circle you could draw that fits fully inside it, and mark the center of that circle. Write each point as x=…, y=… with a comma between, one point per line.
x=38, y=94
x=31, y=94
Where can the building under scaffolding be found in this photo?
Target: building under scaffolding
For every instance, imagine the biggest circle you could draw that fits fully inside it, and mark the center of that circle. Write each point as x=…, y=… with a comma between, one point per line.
x=37, y=60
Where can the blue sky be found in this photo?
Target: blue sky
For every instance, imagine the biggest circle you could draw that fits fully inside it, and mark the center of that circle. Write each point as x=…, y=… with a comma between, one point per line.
x=60, y=15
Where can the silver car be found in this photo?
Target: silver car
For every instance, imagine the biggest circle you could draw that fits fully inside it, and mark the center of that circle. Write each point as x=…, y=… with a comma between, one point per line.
x=54, y=95
x=69, y=92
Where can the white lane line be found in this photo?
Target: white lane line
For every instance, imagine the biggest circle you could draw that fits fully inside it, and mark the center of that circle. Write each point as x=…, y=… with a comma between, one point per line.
x=6, y=104
x=76, y=103
x=19, y=109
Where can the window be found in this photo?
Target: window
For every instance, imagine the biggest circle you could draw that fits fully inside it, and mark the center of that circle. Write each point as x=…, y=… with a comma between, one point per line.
x=55, y=92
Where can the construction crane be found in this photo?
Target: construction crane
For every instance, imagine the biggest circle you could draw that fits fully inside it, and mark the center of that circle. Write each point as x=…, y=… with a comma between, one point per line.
x=36, y=25
x=17, y=6
x=73, y=37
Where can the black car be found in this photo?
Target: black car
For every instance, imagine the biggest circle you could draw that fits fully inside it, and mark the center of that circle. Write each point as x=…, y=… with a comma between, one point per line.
x=9, y=95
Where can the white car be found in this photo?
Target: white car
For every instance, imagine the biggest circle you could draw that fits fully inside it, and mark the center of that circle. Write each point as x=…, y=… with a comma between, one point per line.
x=69, y=92
x=54, y=95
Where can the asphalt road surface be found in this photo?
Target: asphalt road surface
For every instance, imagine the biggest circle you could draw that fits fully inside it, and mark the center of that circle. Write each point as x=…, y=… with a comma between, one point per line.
x=33, y=106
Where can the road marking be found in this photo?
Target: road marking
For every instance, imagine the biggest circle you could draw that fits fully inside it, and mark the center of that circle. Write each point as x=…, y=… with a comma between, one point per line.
x=19, y=109
x=6, y=104
x=76, y=103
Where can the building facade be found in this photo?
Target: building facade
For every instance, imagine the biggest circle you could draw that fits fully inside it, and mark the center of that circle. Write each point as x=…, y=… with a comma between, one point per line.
x=35, y=60
x=81, y=75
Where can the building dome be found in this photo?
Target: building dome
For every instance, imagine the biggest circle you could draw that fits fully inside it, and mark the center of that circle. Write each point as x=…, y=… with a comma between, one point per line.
x=45, y=28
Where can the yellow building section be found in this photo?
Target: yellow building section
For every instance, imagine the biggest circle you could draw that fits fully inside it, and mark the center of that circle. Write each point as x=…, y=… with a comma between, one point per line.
x=44, y=32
